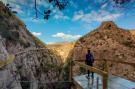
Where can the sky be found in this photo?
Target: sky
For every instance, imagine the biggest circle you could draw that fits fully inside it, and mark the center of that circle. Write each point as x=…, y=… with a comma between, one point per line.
x=76, y=20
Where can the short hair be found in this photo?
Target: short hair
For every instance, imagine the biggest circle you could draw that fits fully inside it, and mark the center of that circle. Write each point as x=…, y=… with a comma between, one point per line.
x=88, y=50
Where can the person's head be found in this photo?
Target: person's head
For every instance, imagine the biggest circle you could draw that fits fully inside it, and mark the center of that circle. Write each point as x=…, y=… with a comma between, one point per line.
x=88, y=50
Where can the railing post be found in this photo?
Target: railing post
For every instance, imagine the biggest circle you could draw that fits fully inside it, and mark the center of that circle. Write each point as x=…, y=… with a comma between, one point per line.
x=97, y=82
x=105, y=77
x=105, y=82
x=106, y=66
x=70, y=71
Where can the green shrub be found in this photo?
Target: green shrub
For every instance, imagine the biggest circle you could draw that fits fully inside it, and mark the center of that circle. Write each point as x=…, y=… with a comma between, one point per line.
x=128, y=43
x=10, y=35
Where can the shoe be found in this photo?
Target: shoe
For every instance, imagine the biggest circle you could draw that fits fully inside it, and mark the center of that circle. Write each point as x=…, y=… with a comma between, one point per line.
x=88, y=77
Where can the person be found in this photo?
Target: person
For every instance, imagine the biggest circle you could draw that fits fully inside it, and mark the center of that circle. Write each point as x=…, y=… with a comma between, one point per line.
x=89, y=61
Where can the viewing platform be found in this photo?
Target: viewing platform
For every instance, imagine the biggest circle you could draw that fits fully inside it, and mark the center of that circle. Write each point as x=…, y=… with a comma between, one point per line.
x=114, y=82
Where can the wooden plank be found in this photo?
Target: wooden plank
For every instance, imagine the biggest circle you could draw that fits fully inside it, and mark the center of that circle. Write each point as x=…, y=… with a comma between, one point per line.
x=98, y=71
x=77, y=86
x=105, y=82
x=114, y=82
x=93, y=69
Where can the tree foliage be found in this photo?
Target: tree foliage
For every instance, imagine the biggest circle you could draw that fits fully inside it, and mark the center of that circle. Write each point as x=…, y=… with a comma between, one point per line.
x=60, y=4
x=121, y=1
x=10, y=8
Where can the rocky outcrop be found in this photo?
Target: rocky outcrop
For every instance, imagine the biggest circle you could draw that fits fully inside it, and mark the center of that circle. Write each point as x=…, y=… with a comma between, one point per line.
x=33, y=69
x=7, y=80
x=109, y=42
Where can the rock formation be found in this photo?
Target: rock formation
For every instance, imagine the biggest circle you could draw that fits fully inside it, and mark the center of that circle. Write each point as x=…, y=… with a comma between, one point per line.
x=36, y=69
x=109, y=42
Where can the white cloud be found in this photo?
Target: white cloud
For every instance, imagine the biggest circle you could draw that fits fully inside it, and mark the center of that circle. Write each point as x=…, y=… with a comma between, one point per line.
x=66, y=37
x=104, y=5
x=18, y=9
x=78, y=15
x=99, y=16
x=4, y=1
x=15, y=4
x=50, y=42
x=73, y=4
x=37, y=33
x=60, y=15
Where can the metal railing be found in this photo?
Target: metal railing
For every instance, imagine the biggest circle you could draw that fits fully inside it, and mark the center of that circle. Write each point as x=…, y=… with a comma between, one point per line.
x=11, y=57
x=104, y=74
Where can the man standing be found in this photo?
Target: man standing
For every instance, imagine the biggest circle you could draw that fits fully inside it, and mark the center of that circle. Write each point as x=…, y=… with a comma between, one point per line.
x=89, y=61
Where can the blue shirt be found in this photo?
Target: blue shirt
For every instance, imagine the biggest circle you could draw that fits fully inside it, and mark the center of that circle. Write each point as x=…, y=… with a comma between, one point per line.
x=89, y=59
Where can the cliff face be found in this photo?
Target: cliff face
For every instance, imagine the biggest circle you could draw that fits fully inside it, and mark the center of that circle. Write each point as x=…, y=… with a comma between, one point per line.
x=36, y=69
x=109, y=42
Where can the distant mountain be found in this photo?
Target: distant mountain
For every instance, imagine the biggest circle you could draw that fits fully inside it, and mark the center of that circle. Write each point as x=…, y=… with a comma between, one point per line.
x=132, y=32
x=39, y=69
x=62, y=49
x=109, y=42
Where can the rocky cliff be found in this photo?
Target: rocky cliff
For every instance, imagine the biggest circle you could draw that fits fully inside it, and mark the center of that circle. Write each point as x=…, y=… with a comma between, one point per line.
x=109, y=42
x=32, y=68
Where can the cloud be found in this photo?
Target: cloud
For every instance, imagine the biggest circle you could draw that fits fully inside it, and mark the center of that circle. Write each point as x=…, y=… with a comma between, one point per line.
x=4, y=1
x=104, y=5
x=78, y=15
x=15, y=7
x=37, y=33
x=59, y=15
x=18, y=9
x=50, y=42
x=66, y=37
x=94, y=16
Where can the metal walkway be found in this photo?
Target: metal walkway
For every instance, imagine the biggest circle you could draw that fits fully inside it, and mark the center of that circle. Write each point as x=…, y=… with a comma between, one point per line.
x=102, y=78
x=114, y=82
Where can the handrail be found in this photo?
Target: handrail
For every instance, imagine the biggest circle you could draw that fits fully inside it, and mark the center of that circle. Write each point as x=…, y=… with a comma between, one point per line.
x=98, y=71
x=9, y=60
x=122, y=62
x=93, y=69
x=27, y=50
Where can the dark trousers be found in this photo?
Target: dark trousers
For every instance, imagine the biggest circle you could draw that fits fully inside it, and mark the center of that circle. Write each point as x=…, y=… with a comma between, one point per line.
x=90, y=72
